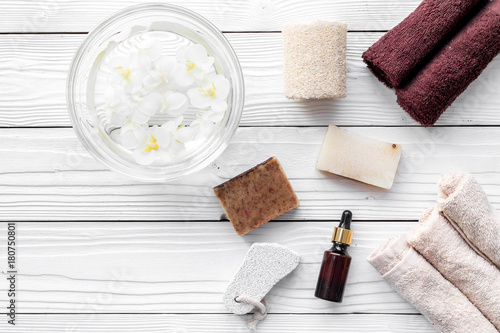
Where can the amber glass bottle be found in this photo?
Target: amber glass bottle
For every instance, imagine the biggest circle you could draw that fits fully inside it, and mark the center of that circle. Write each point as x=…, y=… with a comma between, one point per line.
x=336, y=262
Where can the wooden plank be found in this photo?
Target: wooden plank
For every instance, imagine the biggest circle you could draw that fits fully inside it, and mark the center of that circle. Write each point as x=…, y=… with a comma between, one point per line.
x=46, y=174
x=227, y=15
x=220, y=323
x=34, y=69
x=184, y=267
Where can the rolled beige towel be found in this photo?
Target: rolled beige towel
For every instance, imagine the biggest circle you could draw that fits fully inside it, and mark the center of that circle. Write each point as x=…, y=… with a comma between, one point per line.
x=423, y=286
x=464, y=203
x=442, y=246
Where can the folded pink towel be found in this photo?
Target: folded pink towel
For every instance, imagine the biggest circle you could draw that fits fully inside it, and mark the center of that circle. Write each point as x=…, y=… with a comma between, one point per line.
x=464, y=203
x=442, y=246
x=422, y=285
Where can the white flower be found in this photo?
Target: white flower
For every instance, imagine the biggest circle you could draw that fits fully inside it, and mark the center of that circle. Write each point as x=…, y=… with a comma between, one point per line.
x=132, y=134
x=206, y=123
x=147, y=50
x=147, y=106
x=178, y=135
x=144, y=83
x=165, y=142
x=117, y=111
x=130, y=71
x=155, y=139
x=162, y=73
x=213, y=93
x=126, y=73
x=174, y=103
x=194, y=64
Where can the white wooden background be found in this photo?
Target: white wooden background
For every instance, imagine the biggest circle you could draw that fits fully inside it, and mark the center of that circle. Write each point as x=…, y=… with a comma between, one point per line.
x=101, y=253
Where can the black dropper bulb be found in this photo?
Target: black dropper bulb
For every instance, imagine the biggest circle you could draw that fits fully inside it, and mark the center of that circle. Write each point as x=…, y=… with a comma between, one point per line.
x=345, y=221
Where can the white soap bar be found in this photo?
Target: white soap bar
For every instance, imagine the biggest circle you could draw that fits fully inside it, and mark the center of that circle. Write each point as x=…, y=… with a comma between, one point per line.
x=357, y=157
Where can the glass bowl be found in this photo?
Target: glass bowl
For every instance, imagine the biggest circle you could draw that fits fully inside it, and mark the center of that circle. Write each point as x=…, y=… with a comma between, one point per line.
x=81, y=88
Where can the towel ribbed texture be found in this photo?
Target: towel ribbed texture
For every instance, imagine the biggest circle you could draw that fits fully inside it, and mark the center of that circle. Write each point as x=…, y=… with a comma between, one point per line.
x=459, y=239
x=452, y=69
x=443, y=247
x=433, y=55
x=423, y=286
x=464, y=203
x=394, y=56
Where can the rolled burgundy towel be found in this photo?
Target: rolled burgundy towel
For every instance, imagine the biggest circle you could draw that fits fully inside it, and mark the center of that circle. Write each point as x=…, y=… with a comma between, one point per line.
x=394, y=56
x=459, y=62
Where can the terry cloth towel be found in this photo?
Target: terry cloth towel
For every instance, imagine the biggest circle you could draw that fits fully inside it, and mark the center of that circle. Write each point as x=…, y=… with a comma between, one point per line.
x=457, y=64
x=464, y=203
x=442, y=246
x=422, y=285
x=403, y=48
x=314, y=60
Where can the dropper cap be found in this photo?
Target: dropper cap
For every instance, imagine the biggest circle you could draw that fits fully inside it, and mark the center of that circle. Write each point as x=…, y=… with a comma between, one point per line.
x=343, y=233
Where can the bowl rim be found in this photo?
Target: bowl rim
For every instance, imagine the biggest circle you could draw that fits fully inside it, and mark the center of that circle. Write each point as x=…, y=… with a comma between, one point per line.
x=112, y=161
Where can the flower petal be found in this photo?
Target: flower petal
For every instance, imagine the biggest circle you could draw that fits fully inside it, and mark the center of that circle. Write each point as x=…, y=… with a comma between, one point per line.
x=198, y=73
x=164, y=155
x=152, y=79
x=140, y=118
x=185, y=134
x=135, y=79
x=215, y=116
x=176, y=148
x=122, y=109
x=144, y=157
x=171, y=125
x=207, y=63
x=196, y=53
x=150, y=104
x=181, y=54
x=207, y=128
x=177, y=121
x=166, y=66
x=175, y=103
x=162, y=136
x=142, y=61
x=219, y=106
x=133, y=134
x=116, y=120
x=222, y=86
x=198, y=98
x=183, y=77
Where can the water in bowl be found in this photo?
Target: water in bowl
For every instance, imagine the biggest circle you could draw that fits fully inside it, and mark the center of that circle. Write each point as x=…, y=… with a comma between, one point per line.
x=157, y=96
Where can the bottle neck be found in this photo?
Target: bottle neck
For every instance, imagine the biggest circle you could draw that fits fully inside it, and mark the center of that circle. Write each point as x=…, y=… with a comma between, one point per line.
x=339, y=247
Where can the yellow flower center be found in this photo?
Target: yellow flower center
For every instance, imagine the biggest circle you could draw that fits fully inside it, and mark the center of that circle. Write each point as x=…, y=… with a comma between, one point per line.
x=151, y=145
x=190, y=65
x=210, y=91
x=125, y=73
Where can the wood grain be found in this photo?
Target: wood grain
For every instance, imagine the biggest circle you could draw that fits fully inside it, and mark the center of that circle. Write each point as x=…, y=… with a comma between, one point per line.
x=221, y=323
x=46, y=174
x=159, y=273
x=184, y=267
x=227, y=15
x=34, y=69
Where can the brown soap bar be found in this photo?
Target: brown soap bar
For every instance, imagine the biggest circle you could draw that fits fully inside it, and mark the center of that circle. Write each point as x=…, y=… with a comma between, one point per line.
x=257, y=196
